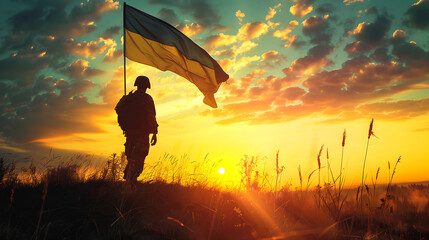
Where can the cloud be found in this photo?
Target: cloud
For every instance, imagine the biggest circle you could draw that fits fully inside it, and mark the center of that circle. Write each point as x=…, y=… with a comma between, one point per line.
x=369, y=35
x=240, y=15
x=252, y=30
x=169, y=16
x=225, y=53
x=112, y=91
x=191, y=29
x=80, y=69
x=245, y=61
x=310, y=64
x=272, y=58
x=220, y=29
x=284, y=34
x=219, y=40
x=293, y=93
x=410, y=54
x=272, y=55
x=325, y=8
x=113, y=55
x=417, y=15
x=201, y=10
x=35, y=106
x=301, y=7
x=272, y=25
x=45, y=18
x=111, y=32
x=371, y=10
x=245, y=47
x=363, y=86
x=52, y=114
x=22, y=67
x=348, y=2
x=399, y=110
x=86, y=49
x=317, y=28
x=226, y=63
x=399, y=34
x=270, y=14
x=251, y=77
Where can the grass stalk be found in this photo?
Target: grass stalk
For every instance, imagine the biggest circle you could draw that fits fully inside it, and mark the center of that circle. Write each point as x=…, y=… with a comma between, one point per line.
x=370, y=133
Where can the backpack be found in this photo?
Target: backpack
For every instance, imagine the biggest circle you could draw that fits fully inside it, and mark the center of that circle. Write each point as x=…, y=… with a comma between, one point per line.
x=129, y=113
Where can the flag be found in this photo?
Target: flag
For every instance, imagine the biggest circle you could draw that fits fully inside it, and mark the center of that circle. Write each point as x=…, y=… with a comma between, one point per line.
x=151, y=41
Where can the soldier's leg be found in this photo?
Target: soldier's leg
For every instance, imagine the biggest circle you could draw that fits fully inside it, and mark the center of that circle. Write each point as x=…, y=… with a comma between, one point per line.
x=129, y=152
x=139, y=165
x=142, y=150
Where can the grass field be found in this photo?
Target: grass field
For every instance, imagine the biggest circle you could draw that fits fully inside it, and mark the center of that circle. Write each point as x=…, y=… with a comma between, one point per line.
x=74, y=200
x=62, y=204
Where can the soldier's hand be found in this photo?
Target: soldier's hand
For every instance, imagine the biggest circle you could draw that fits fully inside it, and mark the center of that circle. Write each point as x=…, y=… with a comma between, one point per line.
x=153, y=140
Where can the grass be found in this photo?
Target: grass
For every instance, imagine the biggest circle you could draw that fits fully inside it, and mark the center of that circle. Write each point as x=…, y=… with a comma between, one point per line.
x=68, y=201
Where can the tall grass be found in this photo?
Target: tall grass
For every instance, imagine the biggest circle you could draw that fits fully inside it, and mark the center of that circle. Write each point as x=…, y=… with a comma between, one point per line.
x=319, y=167
x=279, y=170
x=176, y=192
x=370, y=133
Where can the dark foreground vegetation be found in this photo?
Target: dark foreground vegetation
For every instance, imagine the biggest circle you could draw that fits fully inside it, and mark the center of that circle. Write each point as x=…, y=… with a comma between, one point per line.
x=63, y=206
x=68, y=202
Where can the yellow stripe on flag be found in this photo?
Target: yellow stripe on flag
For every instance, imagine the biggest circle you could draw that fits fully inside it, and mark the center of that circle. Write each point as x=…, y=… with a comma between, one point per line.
x=163, y=57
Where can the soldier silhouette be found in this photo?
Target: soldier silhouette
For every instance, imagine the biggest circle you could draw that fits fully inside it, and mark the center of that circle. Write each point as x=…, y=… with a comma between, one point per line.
x=137, y=118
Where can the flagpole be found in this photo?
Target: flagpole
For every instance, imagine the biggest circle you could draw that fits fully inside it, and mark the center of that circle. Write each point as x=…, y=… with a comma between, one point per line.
x=125, y=59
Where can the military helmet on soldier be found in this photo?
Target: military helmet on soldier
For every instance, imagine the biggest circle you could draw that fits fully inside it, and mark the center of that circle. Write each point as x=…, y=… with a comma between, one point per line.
x=142, y=81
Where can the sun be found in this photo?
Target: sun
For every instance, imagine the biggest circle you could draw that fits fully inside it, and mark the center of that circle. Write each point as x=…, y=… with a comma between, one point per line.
x=221, y=170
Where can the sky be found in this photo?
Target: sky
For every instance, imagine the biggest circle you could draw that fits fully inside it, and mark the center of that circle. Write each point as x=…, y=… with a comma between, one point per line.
x=301, y=72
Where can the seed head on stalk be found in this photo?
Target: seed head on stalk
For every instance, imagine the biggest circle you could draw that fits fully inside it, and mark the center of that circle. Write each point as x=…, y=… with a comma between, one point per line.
x=344, y=138
x=370, y=132
x=318, y=156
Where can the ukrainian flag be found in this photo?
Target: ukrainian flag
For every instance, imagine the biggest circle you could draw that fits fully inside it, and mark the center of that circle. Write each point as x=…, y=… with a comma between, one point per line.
x=151, y=41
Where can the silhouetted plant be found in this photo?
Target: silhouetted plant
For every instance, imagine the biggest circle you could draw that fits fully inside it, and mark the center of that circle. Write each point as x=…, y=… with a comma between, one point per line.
x=248, y=165
x=3, y=169
x=63, y=175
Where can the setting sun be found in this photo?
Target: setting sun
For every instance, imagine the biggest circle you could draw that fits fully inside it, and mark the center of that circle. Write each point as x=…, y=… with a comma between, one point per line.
x=221, y=170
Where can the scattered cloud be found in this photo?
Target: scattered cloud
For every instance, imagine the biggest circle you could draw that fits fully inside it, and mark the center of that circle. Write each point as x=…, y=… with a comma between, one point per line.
x=271, y=13
x=252, y=30
x=369, y=35
x=111, y=32
x=80, y=69
x=113, y=55
x=34, y=106
x=245, y=61
x=225, y=53
x=250, y=77
x=417, y=15
x=201, y=10
x=191, y=29
x=371, y=11
x=399, y=34
x=348, y=2
x=169, y=15
x=302, y=7
x=86, y=49
x=317, y=28
x=240, y=15
x=284, y=34
x=49, y=17
x=245, y=47
x=403, y=109
x=219, y=40
x=272, y=58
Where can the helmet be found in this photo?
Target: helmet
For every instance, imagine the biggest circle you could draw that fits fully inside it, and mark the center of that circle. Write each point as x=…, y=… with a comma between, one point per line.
x=142, y=81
